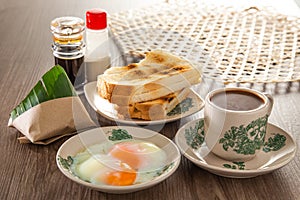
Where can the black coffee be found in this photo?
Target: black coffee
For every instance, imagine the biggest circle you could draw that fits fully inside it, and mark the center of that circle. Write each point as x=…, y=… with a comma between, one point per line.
x=237, y=100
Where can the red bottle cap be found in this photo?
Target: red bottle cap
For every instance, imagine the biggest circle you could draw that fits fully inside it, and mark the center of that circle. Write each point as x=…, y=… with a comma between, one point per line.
x=96, y=19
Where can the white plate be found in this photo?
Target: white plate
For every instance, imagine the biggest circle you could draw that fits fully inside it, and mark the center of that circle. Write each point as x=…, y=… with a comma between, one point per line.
x=107, y=110
x=85, y=139
x=263, y=163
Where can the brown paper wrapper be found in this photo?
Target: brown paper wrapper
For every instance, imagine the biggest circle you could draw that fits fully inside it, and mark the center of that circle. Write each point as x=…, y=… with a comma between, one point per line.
x=52, y=120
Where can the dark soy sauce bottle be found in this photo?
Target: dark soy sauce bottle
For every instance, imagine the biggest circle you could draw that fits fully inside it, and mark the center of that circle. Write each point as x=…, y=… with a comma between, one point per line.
x=69, y=47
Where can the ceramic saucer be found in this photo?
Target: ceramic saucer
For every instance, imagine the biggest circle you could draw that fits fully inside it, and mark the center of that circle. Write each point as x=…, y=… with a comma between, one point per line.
x=107, y=110
x=279, y=149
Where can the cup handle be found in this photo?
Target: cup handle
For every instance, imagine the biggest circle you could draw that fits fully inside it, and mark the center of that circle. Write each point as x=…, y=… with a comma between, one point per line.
x=270, y=103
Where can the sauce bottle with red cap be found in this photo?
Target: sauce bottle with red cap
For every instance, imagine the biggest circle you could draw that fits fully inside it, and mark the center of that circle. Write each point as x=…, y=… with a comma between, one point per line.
x=97, y=58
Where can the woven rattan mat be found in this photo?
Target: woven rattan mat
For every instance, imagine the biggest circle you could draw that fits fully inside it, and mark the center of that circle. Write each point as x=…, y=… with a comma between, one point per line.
x=248, y=45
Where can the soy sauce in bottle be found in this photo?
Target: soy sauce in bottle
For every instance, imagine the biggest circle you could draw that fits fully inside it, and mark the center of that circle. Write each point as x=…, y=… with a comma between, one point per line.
x=69, y=47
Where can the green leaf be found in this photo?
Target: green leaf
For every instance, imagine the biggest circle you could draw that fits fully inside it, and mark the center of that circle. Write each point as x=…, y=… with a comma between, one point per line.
x=66, y=163
x=222, y=140
x=236, y=165
x=194, y=136
x=54, y=84
x=40, y=93
x=119, y=134
x=165, y=169
x=182, y=107
x=247, y=139
x=274, y=143
x=225, y=147
x=227, y=166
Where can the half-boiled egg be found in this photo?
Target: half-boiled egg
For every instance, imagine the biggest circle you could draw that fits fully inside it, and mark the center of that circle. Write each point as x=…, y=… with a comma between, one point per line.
x=123, y=163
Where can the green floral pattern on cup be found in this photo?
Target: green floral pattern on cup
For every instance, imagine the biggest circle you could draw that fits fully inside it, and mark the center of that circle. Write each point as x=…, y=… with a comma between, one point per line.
x=246, y=139
x=194, y=136
x=274, y=143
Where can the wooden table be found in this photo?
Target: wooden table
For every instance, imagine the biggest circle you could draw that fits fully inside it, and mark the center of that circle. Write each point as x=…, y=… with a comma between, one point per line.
x=29, y=171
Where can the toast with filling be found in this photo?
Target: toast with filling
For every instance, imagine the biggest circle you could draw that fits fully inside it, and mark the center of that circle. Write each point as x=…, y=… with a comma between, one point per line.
x=158, y=75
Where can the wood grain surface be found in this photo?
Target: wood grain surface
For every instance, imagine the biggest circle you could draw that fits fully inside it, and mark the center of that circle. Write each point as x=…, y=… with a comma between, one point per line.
x=29, y=171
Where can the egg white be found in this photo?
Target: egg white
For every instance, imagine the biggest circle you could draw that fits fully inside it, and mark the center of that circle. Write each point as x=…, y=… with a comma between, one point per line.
x=95, y=161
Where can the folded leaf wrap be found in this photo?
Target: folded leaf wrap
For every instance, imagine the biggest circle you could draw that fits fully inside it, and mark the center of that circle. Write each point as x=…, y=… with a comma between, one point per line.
x=51, y=110
x=51, y=120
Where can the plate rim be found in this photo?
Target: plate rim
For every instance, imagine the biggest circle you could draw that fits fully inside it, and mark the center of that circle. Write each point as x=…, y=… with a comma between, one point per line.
x=118, y=189
x=138, y=122
x=233, y=173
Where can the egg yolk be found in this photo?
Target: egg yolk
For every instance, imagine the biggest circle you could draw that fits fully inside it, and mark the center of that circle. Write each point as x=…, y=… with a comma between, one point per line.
x=127, y=153
x=120, y=178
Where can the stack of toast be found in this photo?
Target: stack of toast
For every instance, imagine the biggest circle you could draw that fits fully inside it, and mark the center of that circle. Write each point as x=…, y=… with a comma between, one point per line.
x=149, y=89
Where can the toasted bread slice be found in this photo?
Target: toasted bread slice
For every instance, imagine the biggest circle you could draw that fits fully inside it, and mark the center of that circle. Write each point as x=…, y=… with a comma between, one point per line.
x=124, y=100
x=153, y=109
x=159, y=74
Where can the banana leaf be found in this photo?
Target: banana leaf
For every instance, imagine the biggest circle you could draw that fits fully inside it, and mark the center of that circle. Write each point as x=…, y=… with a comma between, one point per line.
x=54, y=84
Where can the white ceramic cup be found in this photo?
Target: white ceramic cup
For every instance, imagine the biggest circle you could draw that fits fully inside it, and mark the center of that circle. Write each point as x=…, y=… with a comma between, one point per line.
x=236, y=135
